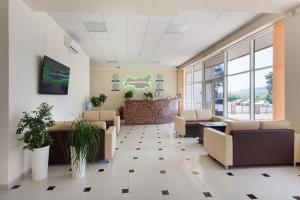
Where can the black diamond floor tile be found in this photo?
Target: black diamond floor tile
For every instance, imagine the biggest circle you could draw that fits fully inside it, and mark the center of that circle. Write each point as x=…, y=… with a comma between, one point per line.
x=87, y=189
x=207, y=194
x=16, y=187
x=125, y=191
x=251, y=196
x=50, y=188
x=165, y=192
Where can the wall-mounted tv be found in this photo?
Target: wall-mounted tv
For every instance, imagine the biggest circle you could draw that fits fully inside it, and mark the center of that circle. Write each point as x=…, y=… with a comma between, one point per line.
x=54, y=77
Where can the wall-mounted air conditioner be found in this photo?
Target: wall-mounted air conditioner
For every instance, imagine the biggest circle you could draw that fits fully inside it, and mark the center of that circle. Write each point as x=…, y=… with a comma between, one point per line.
x=71, y=44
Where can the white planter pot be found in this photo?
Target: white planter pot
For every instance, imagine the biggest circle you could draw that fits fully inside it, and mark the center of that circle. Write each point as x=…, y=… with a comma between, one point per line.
x=39, y=163
x=78, y=169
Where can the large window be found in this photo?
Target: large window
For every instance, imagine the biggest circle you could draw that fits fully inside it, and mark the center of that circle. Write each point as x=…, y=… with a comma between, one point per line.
x=193, y=87
x=263, y=77
x=242, y=73
x=214, y=84
x=188, y=89
x=238, y=98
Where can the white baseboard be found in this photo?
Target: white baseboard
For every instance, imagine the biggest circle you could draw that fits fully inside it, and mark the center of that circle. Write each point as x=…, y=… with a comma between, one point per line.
x=16, y=180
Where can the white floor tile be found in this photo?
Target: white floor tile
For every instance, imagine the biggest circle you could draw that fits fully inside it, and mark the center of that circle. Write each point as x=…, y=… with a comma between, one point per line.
x=103, y=195
x=189, y=173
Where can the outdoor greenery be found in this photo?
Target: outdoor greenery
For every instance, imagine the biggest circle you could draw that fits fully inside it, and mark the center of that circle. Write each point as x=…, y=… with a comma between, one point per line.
x=85, y=139
x=98, y=101
x=128, y=94
x=269, y=87
x=148, y=95
x=34, y=127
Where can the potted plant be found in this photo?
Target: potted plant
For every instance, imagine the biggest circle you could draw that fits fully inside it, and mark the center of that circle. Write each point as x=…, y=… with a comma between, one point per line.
x=148, y=95
x=128, y=95
x=33, y=127
x=98, y=101
x=84, y=142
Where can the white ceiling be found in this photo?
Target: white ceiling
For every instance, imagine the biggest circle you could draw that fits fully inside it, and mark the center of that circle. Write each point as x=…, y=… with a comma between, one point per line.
x=158, y=7
x=149, y=40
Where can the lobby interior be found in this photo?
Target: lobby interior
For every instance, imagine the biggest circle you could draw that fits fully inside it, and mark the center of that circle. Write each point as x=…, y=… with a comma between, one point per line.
x=181, y=100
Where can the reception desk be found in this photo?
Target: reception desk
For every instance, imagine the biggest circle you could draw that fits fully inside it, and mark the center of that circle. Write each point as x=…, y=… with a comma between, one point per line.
x=150, y=111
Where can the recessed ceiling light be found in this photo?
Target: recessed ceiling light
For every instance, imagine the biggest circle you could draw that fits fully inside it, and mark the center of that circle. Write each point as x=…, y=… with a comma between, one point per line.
x=153, y=62
x=176, y=28
x=95, y=26
x=112, y=61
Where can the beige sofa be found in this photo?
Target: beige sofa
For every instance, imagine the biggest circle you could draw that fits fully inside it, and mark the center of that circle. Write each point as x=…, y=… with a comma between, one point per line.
x=230, y=148
x=192, y=116
x=107, y=116
x=60, y=130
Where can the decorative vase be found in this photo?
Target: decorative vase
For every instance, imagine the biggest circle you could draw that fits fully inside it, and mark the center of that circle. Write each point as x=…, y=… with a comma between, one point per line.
x=77, y=165
x=39, y=163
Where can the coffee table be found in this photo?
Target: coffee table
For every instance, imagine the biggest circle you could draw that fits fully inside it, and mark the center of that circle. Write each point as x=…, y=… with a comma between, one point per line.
x=220, y=126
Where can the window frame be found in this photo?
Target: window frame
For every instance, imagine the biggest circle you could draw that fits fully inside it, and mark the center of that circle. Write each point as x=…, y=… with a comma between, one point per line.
x=252, y=70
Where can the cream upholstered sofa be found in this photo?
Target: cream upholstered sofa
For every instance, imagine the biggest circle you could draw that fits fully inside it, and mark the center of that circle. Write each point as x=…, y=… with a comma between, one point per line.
x=108, y=116
x=60, y=131
x=253, y=143
x=192, y=116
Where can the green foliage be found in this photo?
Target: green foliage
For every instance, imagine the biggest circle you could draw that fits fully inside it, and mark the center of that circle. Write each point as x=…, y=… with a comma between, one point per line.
x=98, y=101
x=33, y=125
x=85, y=139
x=148, y=95
x=128, y=94
x=269, y=87
x=233, y=98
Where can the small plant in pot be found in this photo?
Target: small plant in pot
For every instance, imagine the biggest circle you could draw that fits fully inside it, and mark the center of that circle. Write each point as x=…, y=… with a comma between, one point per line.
x=128, y=95
x=98, y=101
x=84, y=142
x=148, y=95
x=33, y=128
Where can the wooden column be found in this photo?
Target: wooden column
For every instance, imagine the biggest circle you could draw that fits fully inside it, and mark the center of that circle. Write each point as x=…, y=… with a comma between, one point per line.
x=279, y=70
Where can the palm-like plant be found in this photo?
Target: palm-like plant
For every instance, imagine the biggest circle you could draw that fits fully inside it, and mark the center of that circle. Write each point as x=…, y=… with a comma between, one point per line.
x=85, y=139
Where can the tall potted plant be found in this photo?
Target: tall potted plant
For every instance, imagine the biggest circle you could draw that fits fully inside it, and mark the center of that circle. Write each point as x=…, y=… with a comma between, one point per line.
x=128, y=95
x=33, y=128
x=84, y=142
x=98, y=101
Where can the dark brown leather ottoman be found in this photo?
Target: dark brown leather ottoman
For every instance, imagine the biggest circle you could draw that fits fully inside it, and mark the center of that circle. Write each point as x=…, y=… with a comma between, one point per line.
x=192, y=129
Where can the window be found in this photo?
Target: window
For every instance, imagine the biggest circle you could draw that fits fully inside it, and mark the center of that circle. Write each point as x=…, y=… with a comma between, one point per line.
x=214, y=84
x=193, y=87
x=188, y=90
x=238, y=94
x=263, y=77
x=243, y=73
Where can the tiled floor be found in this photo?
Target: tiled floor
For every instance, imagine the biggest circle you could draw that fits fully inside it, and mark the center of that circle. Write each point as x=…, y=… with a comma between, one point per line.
x=151, y=164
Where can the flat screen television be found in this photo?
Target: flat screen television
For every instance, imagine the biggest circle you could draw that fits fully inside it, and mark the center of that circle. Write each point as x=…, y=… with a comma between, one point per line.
x=54, y=77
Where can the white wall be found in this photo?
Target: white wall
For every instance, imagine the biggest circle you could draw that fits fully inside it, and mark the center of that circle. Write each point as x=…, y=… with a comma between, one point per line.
x=3, y=90
x=33, y=35
x=101, y=83
x=292, y=59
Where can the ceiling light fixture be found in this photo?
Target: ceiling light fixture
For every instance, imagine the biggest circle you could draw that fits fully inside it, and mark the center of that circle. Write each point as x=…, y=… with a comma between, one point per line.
x=112, y=61
x=95, y=26
x=176, y=28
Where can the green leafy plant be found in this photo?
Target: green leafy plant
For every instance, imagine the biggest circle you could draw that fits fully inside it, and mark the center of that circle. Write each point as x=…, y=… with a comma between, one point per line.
x=34, y=127
x=85, y=139
x=98, y=101
x=128, y=94
x=148, y=95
